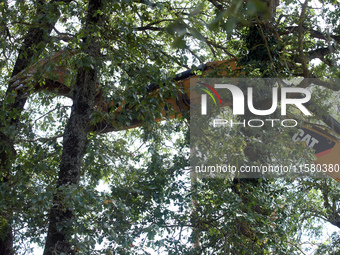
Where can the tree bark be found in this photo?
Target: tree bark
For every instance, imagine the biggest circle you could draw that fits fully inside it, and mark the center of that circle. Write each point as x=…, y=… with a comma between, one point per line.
x=75, y=140
x=33, y=44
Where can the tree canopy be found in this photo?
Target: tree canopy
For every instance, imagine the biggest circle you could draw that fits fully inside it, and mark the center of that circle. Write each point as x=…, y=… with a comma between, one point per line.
x=78, y=113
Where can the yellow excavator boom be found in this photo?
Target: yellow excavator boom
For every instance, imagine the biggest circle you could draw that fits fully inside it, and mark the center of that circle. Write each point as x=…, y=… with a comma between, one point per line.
x=325, y=144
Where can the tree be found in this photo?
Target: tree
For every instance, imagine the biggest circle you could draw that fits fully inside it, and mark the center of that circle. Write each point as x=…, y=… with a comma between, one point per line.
x=32, y=43
x=75, y=135
x=110, y=57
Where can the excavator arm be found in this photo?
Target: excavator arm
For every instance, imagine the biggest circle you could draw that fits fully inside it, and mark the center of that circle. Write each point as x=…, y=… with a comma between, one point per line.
x=322, y=140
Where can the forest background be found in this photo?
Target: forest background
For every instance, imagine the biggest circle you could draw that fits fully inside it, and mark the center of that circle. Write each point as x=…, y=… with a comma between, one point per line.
x=56, y=152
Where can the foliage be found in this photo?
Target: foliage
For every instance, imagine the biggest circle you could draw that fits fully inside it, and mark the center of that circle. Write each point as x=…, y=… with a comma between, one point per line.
x=151, y=204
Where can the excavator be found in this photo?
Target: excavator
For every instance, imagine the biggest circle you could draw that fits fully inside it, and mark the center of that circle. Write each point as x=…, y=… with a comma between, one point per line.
x=323, y=140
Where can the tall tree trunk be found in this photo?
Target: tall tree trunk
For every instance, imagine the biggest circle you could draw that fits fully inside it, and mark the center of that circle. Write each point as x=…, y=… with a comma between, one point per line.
x=33, y=44
x=75, y=140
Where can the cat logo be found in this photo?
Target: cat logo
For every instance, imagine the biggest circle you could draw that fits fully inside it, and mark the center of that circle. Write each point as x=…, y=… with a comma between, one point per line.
x=321, y=144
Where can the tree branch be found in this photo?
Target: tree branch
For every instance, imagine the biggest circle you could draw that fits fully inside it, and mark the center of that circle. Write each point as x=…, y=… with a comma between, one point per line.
x=151, y=25
x=217, y=5
x=43, y=139
x=215, y=45
x=66, y=37
x=300, y=39
x=330, y=84
x=313, y=33
x=318, y=53
x=148, y=27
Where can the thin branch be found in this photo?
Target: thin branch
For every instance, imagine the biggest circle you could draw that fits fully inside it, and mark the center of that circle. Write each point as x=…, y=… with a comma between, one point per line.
x=217, y=5
x=43, y=139
x=319, y=53
x=42, y=116
x=279, y=20
x=167, y=55
x=151, y=25
x=259, y=27
x=330, y=84
x=66, y=37
x=312, y=32
x=214, y=44
x=62, y=38
x=331, y=49
x=196, y=56
x=300, y=39
x=148, y=27
x=178, y=63
x=296, y=246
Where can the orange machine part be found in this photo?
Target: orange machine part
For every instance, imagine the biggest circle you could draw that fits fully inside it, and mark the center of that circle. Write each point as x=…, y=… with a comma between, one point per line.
x=179, y=104
x=183, y=88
